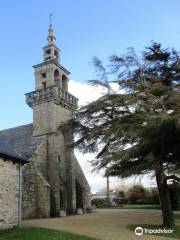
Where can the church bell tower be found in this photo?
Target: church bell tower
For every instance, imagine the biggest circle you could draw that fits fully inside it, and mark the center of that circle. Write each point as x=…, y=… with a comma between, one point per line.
x=52, y=106
x=51, y=102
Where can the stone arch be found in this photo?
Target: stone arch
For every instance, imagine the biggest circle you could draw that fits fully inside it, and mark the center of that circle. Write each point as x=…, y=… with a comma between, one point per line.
x=62, y=190
x=57, y=78
x=79, y=195
x=64, y=83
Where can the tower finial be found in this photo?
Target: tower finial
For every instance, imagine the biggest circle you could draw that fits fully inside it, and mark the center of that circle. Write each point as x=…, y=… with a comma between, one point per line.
x=51, y=38
x=50, y=18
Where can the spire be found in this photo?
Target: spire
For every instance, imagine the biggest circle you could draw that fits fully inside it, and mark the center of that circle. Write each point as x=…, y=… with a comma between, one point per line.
x=51, y=51
x=51, y=38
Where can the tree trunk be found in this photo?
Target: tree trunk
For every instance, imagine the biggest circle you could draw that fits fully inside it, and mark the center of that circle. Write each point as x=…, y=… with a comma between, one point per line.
x=165, y=201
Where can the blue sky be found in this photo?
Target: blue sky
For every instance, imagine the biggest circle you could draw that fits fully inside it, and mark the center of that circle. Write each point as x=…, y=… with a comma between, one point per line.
x=84, y=28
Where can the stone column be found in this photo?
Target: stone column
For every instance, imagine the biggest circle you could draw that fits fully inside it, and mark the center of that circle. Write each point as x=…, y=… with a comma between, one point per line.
x=53, y=176
x=70, y=177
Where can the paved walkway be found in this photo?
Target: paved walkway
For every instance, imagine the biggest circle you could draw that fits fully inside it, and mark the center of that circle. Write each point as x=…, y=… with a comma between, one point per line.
x=105, y=224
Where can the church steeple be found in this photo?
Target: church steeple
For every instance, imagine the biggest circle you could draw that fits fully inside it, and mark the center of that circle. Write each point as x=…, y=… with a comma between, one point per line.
x=51, y=89
x=51, y=51
x=51, y=38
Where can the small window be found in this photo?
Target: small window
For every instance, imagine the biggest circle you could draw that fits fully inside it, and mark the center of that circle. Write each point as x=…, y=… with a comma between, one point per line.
x=44, y=84
x=48, y=51
x=43, y=75
x=47, y=58
x=56, y=54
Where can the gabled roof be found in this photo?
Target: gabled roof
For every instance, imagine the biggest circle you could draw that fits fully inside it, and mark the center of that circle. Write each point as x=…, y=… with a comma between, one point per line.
x=18, y=142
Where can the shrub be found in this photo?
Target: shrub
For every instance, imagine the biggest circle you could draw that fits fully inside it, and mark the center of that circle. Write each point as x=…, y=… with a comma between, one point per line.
x=120, y=194
x=136, y=194
x=174, y=190
x=120, y=201
x=155, y=197
x=105, y=204
x=134, y=197
x=137, y=189
x=99, y=202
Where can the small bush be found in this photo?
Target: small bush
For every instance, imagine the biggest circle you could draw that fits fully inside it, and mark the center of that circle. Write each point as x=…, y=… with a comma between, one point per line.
x=151, y=197
x=120, y=201
x=174, y=190
x=120, y=194
x=98, y=202
x=134, y=197
x=139, y=195
x=105, y=204
x=155, y=197
x=137, y=189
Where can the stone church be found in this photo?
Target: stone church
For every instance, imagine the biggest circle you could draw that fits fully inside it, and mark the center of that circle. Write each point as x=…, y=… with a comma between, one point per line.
x=53, y=182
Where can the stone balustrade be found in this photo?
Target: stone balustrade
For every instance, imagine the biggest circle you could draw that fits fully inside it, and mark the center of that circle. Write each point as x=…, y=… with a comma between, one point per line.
x=52, y=93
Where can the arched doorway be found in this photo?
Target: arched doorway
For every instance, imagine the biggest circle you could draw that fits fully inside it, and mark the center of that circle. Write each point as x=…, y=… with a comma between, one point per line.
x=79, y=196
x=62, y=189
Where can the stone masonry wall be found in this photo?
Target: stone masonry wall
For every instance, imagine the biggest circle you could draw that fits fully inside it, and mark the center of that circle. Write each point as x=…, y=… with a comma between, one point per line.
x=29, y=196
x=36, y=189
x=43, y=196
x=36, y=193
x=9, y=193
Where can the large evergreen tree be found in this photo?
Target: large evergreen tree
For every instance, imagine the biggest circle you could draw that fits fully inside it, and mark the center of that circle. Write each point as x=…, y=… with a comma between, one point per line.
x=137, y=130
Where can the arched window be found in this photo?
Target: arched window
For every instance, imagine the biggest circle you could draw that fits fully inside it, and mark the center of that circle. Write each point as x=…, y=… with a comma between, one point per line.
x=64, y=83
x=56, y=54
x=57, y=78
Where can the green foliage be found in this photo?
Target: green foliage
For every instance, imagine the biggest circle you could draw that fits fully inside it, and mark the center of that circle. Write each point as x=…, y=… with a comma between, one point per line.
x=177, y=216
x=146, y=196
x=101, y=203
x=141, y=206
x=137, y=189
x=175, y=195
x=135, y=197
x=152, y=197
x=119, y=201
x=136, y=131
x=38, y=234
x=140, y=195
x=120, y=194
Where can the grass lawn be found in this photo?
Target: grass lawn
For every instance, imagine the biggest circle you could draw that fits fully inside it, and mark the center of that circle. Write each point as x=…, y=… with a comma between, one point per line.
x=140, y=206
x=177, y=216
x=39, y=234
x=133, y=206
x=175, y=234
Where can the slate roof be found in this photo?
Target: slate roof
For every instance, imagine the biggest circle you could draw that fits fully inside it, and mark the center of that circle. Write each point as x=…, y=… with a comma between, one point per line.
x=13, y=159
x=18, y=142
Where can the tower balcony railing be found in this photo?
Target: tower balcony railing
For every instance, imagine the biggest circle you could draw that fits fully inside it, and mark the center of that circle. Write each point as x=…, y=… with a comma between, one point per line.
x=52, y=93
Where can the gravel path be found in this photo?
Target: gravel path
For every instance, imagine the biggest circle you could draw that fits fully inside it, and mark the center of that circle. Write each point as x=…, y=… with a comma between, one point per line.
x=105, y=224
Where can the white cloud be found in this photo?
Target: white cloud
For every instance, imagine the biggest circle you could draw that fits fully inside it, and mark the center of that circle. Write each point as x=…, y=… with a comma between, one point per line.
x=84, y=92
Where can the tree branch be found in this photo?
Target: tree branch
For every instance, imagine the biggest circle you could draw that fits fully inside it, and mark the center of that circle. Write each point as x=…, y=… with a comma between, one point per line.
x=173, y=177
